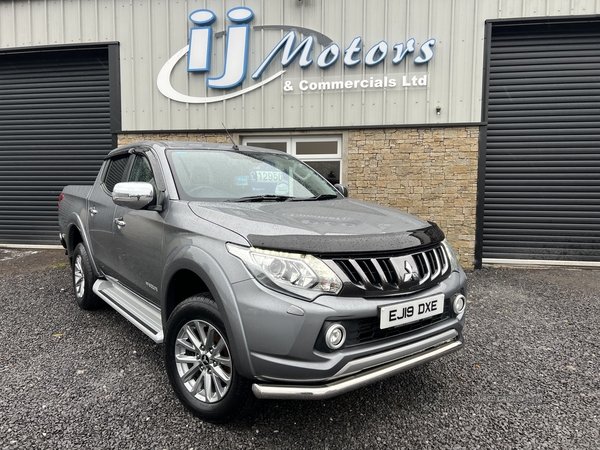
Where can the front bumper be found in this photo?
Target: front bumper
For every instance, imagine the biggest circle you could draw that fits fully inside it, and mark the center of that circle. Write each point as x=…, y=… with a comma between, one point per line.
x=282, y=336
x=451, y=342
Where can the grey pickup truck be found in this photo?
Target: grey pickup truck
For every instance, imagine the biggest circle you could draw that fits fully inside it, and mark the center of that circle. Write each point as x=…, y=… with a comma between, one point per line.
x=258, y=275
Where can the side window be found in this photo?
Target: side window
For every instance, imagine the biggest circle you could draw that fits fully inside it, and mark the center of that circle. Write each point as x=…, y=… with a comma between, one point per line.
x=114, y=174
x=141, y=170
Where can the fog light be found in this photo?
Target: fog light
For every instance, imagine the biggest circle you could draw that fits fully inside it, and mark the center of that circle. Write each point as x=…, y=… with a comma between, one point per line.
x=335, y=336
x=459, y=303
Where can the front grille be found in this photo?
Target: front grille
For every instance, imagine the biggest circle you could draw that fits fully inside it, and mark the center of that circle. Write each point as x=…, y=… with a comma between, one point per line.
x=396, y=274
x=363, y=331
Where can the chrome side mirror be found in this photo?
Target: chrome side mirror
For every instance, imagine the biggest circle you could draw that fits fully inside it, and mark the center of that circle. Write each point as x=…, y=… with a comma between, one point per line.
x=342, y=188
x=134, y=195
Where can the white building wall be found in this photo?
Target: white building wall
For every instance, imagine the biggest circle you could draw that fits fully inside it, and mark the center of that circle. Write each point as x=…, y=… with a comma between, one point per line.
x=151, y=31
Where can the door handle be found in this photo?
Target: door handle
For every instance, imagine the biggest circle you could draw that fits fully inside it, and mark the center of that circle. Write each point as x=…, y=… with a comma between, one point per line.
x=120, y=223
x=93, y=211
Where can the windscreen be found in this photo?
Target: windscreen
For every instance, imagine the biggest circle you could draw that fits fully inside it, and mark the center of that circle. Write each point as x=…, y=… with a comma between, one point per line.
x=223, y=175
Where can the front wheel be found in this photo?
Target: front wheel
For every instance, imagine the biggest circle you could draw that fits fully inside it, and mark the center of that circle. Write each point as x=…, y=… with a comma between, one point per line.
x=199, y=362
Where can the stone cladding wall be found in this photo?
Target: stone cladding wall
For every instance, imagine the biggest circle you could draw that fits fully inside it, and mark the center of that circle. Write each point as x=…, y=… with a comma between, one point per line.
x=428, y=172
x=221, y=138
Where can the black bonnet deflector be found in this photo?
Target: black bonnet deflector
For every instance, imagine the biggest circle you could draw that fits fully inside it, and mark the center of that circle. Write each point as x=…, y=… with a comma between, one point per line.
x=344, y=244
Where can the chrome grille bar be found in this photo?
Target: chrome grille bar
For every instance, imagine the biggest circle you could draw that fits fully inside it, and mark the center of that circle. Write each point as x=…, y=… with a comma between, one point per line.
x=427, y=273
x=364, y=279
x=445, y=262
x=436, y=263
x=385, y=283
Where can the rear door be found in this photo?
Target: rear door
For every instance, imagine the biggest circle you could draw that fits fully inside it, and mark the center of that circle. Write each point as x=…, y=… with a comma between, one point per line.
x=100, y=213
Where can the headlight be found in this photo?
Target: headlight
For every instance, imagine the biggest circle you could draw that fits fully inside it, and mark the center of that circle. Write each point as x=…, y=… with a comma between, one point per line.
x=292, y=272
x=454, y=265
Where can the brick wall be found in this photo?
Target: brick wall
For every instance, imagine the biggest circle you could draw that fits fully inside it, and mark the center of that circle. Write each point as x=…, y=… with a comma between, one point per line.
x=222, y=138
x=428, y=172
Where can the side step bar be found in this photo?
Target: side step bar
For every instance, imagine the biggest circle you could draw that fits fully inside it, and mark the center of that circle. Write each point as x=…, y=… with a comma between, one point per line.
x=145, y=316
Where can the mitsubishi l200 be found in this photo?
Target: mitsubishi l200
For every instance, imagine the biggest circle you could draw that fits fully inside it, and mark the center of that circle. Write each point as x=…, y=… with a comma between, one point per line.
x=259, y=276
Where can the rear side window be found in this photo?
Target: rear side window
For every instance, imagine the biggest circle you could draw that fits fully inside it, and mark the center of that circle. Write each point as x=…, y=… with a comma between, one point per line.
x=114, y=174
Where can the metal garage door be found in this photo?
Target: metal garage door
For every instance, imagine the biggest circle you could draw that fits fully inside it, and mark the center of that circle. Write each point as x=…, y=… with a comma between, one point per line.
x=55, y=128
x=542, y=164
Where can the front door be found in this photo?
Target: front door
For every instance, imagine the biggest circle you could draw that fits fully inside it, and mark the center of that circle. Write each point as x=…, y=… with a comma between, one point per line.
x=138, y=240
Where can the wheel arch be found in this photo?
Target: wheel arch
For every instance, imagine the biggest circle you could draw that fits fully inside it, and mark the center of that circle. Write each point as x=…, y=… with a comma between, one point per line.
x=74, y=235
x=183, y=283
x=196, y=272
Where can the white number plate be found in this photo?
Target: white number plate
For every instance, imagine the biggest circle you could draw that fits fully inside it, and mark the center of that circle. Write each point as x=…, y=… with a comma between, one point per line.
x=407, y=312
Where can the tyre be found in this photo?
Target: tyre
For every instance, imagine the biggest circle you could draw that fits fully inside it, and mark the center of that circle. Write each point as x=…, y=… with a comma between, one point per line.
x=199, y=362
x=84, y=279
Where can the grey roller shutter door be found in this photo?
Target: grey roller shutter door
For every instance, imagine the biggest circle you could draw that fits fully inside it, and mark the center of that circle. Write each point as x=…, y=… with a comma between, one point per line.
x=542, y=168
x=55, y=129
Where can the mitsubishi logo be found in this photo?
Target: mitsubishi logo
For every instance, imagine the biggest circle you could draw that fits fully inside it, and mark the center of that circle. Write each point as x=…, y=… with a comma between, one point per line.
x=411, y=274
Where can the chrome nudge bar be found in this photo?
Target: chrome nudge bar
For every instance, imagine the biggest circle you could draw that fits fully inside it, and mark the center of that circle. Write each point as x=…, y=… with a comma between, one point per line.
x=341, y=386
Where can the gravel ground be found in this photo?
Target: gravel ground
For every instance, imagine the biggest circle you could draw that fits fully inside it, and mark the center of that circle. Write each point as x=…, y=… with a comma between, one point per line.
x=529, y=376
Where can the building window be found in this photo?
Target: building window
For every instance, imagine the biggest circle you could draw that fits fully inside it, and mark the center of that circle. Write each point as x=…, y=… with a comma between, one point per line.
x=322, y=153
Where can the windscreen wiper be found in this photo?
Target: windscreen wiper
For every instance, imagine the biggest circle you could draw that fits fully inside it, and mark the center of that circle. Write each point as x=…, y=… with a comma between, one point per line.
x=317, y=197
x=263, y=198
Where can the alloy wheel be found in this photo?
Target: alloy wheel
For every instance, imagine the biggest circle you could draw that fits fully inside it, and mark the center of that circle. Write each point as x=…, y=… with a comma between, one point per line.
x=203, y=361
x=79, y=277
